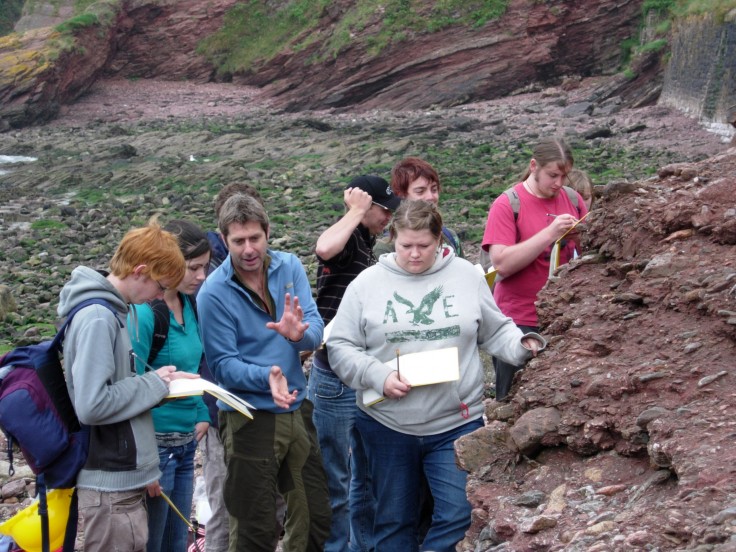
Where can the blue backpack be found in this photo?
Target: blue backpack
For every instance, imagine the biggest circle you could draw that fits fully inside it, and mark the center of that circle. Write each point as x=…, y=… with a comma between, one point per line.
x=37, y=413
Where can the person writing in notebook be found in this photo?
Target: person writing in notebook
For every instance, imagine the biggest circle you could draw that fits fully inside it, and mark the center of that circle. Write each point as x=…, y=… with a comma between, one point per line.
x=420, y=298
x=520, y=243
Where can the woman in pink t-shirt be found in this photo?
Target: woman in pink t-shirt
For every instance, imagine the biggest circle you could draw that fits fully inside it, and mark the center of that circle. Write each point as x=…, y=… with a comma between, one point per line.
x=520, y=244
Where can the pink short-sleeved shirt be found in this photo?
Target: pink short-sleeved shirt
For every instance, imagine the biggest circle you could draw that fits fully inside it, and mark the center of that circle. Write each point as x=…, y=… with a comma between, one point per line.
x=516, y=294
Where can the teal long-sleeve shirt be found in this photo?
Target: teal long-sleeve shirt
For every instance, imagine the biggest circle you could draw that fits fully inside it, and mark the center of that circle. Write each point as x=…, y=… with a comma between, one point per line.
x=183, y=349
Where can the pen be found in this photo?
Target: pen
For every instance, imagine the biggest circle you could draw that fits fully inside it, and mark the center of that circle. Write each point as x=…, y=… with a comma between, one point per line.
x=398, y=372
x=145, y=364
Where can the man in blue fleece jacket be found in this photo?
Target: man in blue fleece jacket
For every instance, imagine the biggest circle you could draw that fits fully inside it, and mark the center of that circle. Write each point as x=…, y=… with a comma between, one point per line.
x=256, y=314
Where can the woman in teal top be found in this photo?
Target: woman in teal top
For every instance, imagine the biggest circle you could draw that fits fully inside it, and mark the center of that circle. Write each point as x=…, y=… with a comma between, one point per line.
x=180, y=423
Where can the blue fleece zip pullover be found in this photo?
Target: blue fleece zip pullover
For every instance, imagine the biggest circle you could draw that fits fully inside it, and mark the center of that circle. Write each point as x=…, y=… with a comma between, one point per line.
x=240, y=350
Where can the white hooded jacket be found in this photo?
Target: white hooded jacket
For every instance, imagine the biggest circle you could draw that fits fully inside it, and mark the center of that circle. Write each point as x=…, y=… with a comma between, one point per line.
x=449, y=305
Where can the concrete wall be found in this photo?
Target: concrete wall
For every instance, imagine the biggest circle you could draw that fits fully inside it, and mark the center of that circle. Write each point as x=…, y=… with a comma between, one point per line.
x=700, y=78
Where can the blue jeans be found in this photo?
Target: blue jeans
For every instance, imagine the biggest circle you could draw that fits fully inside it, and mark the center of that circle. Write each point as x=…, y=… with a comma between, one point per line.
x=166, y=530
x=396, y=463
x=348, y=481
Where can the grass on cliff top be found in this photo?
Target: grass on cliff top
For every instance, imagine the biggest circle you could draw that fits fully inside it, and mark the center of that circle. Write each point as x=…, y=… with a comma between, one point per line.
x=253, y=32
x=719, y=8
x=10, y=11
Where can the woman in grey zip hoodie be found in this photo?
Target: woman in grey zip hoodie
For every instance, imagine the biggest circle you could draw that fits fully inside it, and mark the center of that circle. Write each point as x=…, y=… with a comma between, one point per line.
x=420, y=298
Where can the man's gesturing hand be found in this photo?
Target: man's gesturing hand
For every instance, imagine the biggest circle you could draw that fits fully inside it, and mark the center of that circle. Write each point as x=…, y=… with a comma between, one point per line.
x=280, y=388
x=290, y=325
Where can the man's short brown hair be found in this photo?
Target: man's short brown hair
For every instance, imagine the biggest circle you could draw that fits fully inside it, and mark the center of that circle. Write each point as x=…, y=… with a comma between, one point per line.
x=230, y=190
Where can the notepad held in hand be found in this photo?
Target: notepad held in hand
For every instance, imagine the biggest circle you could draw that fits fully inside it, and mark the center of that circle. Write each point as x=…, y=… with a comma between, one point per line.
x=490, y=274
x=179, y=388
x=423, y=368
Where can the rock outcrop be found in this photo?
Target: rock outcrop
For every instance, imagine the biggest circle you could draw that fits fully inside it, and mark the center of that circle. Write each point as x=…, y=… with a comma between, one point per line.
x=700, y=78
x=39, y=72
x=532, y=43
x=621, y=434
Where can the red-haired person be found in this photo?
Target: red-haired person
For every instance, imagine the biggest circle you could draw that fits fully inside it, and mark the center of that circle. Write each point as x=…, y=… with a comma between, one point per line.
x=414, y=178
x=117, y=407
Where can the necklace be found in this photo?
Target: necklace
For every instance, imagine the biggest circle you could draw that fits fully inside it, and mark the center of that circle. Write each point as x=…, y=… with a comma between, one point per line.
x=528, y=188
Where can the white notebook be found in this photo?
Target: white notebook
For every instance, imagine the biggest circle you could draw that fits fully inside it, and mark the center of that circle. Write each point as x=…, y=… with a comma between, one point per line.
x=198, y=386
x=424, y=368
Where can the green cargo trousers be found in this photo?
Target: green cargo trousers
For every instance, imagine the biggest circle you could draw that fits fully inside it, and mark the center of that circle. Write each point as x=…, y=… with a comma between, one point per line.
x=274, y=452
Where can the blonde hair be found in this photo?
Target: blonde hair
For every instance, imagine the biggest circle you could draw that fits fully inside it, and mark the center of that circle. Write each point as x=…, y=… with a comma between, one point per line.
x=581, y=183
x=417, y=214
x=151, y=246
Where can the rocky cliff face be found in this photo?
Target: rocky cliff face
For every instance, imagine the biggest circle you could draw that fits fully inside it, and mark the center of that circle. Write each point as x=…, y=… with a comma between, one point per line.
x=533, y=42
x=700, y=78
x=37, y=76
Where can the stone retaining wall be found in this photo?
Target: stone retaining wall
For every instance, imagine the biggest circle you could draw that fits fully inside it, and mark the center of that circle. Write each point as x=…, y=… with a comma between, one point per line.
x=700, y=78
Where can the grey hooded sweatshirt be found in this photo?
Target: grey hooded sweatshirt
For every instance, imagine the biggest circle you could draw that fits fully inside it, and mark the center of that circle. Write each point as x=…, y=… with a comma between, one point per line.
x=107, y=394
x=449, y=305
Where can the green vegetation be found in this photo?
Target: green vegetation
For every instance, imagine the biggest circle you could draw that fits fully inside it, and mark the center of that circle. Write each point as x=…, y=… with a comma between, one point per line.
x=253, y=33
x=668, y=11
x=47, y=224
x=74, y=24
x=654, y=46
x=719, y=8
x=10, y=11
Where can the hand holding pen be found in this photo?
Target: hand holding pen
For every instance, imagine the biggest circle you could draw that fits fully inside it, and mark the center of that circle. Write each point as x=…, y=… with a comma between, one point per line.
x=394, y=387
x=563, y=224
x=166, y=373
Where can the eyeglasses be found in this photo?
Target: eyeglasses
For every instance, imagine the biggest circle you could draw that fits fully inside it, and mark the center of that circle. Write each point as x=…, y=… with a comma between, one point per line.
x=162, y=288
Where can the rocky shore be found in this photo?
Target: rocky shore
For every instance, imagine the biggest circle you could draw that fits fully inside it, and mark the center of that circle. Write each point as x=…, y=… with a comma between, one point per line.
x=132, y=149
x=617, y=438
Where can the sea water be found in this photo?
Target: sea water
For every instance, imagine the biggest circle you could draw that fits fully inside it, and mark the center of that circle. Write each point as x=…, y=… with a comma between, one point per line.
x=6, y=160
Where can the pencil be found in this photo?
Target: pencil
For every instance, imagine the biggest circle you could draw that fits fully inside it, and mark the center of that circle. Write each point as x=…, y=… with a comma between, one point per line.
x=398, y=371
x=145, y=364
x=574, y=225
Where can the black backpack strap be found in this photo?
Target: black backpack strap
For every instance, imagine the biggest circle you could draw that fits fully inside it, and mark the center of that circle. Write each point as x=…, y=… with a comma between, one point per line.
x=161, y=323
x=70, y=536
x=193, y=301
x=43, y=512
